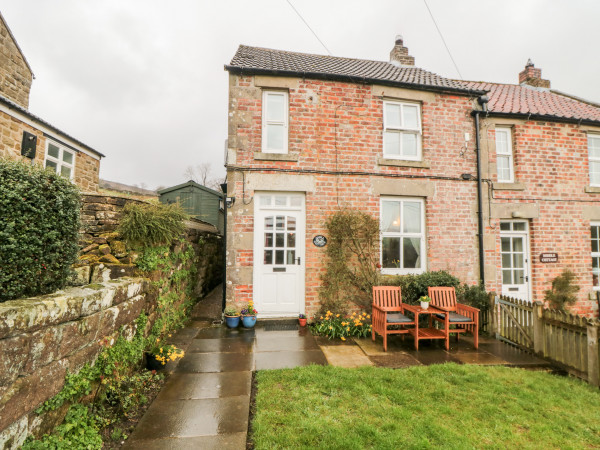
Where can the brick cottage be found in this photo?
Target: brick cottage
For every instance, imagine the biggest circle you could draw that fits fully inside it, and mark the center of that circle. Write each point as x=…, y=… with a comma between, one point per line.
x=28, y=137
x=435, y=160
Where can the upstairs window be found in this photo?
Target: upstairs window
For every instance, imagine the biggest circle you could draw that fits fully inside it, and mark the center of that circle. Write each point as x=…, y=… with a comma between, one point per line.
x=402, y=130
x=595, y=235
x=594, y=156
x=504, y=155
x=60, y=159
x=275, y=122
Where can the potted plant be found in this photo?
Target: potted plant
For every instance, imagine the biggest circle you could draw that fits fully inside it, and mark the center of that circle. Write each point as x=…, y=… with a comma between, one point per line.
x=232, y=317
x=249, y=315
x=160, y=354
x=302, y=320
x=424, y=301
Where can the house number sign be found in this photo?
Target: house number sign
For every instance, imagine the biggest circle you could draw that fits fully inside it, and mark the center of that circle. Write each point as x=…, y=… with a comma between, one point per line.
x=320, y=241
x=549, y=257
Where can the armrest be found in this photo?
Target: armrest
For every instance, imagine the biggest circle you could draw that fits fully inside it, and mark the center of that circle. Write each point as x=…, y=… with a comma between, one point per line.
x=387, y=308
x=466, y=308
x=442, y=308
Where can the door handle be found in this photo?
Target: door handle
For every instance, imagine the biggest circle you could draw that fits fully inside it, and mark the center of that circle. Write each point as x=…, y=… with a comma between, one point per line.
x=298, y=260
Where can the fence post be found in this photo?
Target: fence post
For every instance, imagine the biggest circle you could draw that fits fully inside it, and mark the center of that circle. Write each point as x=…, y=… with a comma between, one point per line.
x=593, y=362
x=538, y=328
x=492, y=314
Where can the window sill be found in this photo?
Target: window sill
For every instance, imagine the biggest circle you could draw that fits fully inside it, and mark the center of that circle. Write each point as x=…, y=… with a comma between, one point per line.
x=402, y=163
x=508, y=186
x=592, y=189
x=275, y=157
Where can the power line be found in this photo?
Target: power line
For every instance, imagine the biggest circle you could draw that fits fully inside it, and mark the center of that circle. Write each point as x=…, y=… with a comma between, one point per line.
x=312, y=31
x=443, y=40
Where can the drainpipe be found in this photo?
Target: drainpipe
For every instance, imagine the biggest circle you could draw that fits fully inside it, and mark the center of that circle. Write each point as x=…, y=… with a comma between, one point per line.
x=483, y=100
x=224, y=301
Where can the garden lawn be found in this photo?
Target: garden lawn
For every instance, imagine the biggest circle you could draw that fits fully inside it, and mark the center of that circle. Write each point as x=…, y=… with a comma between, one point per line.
x=449, y=405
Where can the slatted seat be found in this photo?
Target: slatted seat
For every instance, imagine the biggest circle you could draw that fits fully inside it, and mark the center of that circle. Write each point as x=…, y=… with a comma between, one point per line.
x=388, y=311
x=464, y=317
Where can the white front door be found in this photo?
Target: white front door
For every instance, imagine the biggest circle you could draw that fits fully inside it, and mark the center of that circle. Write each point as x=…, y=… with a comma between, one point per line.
x=279, y=235
x=514, y=248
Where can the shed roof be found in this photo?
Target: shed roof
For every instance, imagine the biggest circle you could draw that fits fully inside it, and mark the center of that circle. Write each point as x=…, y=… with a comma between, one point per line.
x=193, y=184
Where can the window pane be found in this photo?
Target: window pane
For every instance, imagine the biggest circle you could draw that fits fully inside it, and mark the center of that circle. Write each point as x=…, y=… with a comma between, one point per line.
x=53, y=150
x=268, y=223
x=391, y=217
x=279, y=256
x=296, y=201
x=505, y=226
x=280, y=200
x=518, y=261
x=276, y=107
x=280, y=223
x=409, y=144
x=291, y=257
x=519, y=277
x=506, y=277
x=412, y=217
x=291, y=225
x=412, y=253
x=503, y=163
x=67, y=157
x=65, y=171
x=594, y=230
x=594, y=245
x=505, y=244
x=595, y=271
x=594, y=146
x=275, y=135
x=392, y=115
x=502, y=142
x=265, y=200
x=279, y=240
x=268, y=257
x=517, y=245
x=506, y=261
x=595, y=172
x=268, y=239
x=51, y=164
x=291, y=240
x=390, y=252
x=519, y=226
x=411, y=117
x=391, y=143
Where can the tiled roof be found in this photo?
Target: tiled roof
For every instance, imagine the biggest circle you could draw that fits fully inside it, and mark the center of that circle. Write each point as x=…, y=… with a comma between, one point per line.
x=516, y=99
x=277, y=61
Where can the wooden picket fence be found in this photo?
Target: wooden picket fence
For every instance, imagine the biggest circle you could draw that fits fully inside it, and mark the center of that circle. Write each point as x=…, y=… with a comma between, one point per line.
x=567, y=340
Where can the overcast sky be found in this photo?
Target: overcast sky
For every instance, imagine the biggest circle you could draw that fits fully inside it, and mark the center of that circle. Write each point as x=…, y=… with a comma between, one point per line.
x=142, y=81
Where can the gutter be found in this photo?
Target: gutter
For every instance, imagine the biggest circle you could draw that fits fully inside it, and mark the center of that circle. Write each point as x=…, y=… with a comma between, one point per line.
x=541, y=118
x=352, y=79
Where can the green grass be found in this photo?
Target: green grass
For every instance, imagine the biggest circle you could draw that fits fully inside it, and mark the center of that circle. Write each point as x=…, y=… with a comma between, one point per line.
x=449, y=406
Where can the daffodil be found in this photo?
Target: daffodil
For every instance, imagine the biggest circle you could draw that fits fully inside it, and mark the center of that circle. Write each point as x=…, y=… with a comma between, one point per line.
x=343, y=338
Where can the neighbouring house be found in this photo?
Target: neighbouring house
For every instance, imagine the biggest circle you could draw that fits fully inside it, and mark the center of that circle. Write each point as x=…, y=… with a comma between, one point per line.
x=198, y=201
x=28, y=137
x=491, y=182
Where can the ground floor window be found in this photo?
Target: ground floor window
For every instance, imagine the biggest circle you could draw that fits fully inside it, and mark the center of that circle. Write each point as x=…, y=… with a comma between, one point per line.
x=595, y=234
x=60, y=159
x=402, y=222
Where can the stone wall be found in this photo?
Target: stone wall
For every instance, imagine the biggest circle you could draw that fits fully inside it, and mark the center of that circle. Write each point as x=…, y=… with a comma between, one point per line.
x=15, y=75
x=43, y=338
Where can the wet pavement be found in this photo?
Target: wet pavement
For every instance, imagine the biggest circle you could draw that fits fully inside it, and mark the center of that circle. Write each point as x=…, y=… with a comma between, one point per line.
x=206, y=400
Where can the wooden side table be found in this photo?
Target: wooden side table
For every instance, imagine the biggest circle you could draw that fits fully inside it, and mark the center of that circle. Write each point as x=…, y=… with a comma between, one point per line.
x=430, y=332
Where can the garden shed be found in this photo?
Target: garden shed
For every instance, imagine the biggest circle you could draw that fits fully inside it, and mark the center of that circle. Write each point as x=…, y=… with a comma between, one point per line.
x=198, y=201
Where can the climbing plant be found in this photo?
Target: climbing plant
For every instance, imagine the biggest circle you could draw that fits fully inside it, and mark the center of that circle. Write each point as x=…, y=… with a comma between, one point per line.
x=351, y=264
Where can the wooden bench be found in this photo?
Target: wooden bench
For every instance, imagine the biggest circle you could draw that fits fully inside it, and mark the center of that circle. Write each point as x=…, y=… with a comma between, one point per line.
x=464, y=317
x=388, y=311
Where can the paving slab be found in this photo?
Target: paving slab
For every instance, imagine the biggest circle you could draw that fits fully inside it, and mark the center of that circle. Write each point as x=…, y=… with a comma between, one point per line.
x=194, y=386
x=232, y=441
x=369, y=347
x=192, y=418
x=346, y=356
x=288, y=359
x=216, y=362
x=266, y=343
x=480, y=358
x=232, y=345
x=226, y=333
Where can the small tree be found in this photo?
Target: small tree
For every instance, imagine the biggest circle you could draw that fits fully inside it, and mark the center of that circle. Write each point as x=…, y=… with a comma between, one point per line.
x=563, y=292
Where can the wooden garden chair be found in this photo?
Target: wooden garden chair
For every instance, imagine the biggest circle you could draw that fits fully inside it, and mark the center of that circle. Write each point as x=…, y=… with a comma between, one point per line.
x=464, y=317
x=387, y=312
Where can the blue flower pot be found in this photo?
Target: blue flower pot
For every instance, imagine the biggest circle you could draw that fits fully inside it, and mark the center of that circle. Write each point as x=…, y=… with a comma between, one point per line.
x=249, y=321
x=232, y=322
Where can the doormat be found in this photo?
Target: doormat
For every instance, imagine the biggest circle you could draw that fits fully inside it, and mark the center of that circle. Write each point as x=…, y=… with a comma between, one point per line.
x=281, y=326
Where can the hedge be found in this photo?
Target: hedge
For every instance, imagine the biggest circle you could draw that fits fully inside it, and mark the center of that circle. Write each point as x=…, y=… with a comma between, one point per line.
x=39, y=212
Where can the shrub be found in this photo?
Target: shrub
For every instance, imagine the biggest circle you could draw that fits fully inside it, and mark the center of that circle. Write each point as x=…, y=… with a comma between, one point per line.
x=415, y=286
x=151, y=224
x=39, y=227
x=475, y=296
x=563, y=292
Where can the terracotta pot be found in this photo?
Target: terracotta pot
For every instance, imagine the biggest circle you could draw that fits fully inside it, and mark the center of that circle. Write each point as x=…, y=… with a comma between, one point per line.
x=302, y=322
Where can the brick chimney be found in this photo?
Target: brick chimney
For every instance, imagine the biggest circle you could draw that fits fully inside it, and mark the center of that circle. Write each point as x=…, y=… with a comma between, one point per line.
x=532, y=76
x=399, y=55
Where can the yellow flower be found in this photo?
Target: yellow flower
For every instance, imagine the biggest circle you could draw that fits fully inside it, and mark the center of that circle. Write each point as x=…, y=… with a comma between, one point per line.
x=161, y=350
x=337, y=315
x=328, y=312
x=348, y=329
x=321, y=317
x=343, y=338
x=169, y=335
x=353, y=314
x=157, y=340
x=330, y=327
x=369, y=316
x=364, y=314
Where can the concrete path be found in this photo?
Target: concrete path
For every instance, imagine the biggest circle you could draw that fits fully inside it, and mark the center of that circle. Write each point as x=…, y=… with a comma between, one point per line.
x=205, y=402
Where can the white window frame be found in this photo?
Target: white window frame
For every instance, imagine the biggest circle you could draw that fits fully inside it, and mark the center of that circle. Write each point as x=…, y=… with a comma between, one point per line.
x=596, y=287
x=593, y=159
x=284, y=122
x=387, y=128
x=62, y=149
x=400, y=234
x=508, y=155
